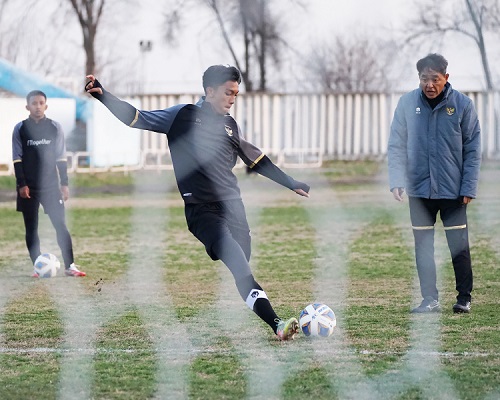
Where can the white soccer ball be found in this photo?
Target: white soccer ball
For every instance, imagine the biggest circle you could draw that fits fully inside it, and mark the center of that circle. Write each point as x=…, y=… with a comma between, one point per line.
x=46, y=265
x=317, y=320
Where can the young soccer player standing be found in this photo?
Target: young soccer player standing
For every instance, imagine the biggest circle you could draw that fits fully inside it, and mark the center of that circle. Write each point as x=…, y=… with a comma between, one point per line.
x=38, y=152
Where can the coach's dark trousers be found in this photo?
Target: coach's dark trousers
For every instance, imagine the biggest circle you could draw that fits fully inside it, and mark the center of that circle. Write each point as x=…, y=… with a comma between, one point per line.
x=453, y=213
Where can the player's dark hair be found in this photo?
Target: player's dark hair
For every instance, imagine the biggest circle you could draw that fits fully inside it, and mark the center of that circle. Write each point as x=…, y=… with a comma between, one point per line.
x=434, y=61
x=217, y=75
x=35, y=93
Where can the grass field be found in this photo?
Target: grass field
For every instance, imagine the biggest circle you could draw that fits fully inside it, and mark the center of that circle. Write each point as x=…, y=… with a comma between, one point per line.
x=156, y=318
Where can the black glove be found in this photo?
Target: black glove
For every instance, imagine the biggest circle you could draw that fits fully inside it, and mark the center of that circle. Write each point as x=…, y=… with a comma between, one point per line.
x=97, y=84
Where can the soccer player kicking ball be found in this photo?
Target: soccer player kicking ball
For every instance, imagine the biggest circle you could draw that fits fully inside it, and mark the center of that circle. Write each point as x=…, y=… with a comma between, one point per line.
x=40, y=166
x=204, y=142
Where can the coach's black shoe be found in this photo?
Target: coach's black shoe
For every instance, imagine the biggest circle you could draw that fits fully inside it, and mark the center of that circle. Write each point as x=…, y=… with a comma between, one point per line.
x=461, y=306
x=428, y=305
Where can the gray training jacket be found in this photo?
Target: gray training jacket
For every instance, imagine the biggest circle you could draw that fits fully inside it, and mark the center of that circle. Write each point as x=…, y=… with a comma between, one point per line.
x=435, y=153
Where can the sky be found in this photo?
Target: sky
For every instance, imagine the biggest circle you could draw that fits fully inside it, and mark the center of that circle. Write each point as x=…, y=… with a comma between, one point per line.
x=167, y=69
x=179, y=69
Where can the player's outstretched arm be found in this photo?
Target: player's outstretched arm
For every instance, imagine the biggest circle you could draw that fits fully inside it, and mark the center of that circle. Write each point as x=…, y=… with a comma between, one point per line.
x=267, y=168
x=122, y=110
x=157, y=120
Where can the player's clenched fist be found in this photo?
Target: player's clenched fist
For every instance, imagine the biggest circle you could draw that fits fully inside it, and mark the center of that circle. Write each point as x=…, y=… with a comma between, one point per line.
x=93, y=85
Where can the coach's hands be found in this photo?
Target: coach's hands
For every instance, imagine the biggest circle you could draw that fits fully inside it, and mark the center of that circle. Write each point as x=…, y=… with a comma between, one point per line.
x=398, y=193
x=24, y=192
x=93, y=86
x=466, y=200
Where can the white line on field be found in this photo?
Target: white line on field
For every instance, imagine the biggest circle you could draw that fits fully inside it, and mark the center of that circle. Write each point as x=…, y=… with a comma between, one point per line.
x=170, y=351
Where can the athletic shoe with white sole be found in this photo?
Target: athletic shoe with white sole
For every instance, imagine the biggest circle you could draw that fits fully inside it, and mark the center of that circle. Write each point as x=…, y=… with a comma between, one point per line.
x=287, y=329
x=428, y=305
x=461, y=306
x=74, y=271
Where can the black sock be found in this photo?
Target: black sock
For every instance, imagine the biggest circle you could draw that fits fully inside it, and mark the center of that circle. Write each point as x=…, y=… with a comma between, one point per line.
x=257, y=300
x=265, y=311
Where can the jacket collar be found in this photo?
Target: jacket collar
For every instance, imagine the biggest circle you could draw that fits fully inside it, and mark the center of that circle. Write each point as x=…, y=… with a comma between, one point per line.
x=207, y=107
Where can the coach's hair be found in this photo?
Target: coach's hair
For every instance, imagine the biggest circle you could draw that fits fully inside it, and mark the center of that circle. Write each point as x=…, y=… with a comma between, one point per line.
x=217, y=75
x=35, y=93
x=434, y=61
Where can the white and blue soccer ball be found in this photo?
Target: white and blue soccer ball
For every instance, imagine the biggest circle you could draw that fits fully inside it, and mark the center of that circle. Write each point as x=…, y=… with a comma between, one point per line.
x=46, y=265
x=317, y=320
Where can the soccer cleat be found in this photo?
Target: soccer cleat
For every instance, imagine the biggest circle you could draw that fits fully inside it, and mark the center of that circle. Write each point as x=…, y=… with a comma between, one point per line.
x=74, y=271
x=461, y=306
x=286, y=330
x=428, y=305
x=35, y=275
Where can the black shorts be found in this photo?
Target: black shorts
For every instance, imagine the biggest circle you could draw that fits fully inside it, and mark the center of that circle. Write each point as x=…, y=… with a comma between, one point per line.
x=210, y=222
x=51, y=201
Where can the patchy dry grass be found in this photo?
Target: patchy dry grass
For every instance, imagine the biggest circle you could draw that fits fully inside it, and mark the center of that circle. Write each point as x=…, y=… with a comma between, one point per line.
x=194, y=337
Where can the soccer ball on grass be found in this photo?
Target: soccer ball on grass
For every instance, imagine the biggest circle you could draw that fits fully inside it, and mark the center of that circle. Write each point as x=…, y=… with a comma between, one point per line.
x=46, y=265
x=317, y=320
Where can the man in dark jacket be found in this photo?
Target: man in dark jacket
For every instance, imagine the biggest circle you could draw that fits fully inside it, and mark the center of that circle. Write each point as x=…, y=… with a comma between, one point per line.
x=204, y=142
x=434, y=154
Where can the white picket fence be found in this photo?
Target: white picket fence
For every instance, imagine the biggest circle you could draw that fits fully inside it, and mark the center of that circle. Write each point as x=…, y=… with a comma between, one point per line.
x=303, y=130
x=300, y=130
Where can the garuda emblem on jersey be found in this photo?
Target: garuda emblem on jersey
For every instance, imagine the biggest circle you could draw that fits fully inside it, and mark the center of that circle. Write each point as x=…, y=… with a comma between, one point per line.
x=450, y=110
x=229, y=131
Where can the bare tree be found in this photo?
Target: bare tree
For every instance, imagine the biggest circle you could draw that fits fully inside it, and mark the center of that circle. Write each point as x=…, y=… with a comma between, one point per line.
x=247, y=25
x=349, y=64
x=89, y=13
x=470, y=18
x=27, y=37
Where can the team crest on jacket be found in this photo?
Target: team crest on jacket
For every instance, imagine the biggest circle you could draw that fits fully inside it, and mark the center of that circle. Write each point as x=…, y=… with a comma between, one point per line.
x=450, y=110
x=229, y=131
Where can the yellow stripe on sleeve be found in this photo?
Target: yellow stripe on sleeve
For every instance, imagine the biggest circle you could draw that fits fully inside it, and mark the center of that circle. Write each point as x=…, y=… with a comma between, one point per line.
x=257, y=160
x=135, y=119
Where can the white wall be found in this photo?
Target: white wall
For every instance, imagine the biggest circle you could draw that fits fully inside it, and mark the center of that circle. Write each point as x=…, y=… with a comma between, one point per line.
x=109, y=141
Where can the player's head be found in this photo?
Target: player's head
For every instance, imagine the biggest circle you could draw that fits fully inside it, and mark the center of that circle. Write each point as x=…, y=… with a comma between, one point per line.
x=221, y=85
x=36, y=104
x=432, y=74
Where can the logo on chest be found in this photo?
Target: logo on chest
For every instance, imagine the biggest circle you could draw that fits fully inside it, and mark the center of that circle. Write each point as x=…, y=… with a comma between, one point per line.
x=450, y=110
x=31, y=142
x=229, y=131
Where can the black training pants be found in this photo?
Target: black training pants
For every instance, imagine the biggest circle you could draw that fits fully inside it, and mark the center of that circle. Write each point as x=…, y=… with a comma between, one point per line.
x=453, y=213
x=53, y=206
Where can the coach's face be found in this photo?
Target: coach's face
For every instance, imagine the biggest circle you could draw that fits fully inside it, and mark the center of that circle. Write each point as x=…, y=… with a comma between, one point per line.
x=432, y=82
x=222, y=97
x=37, y=106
